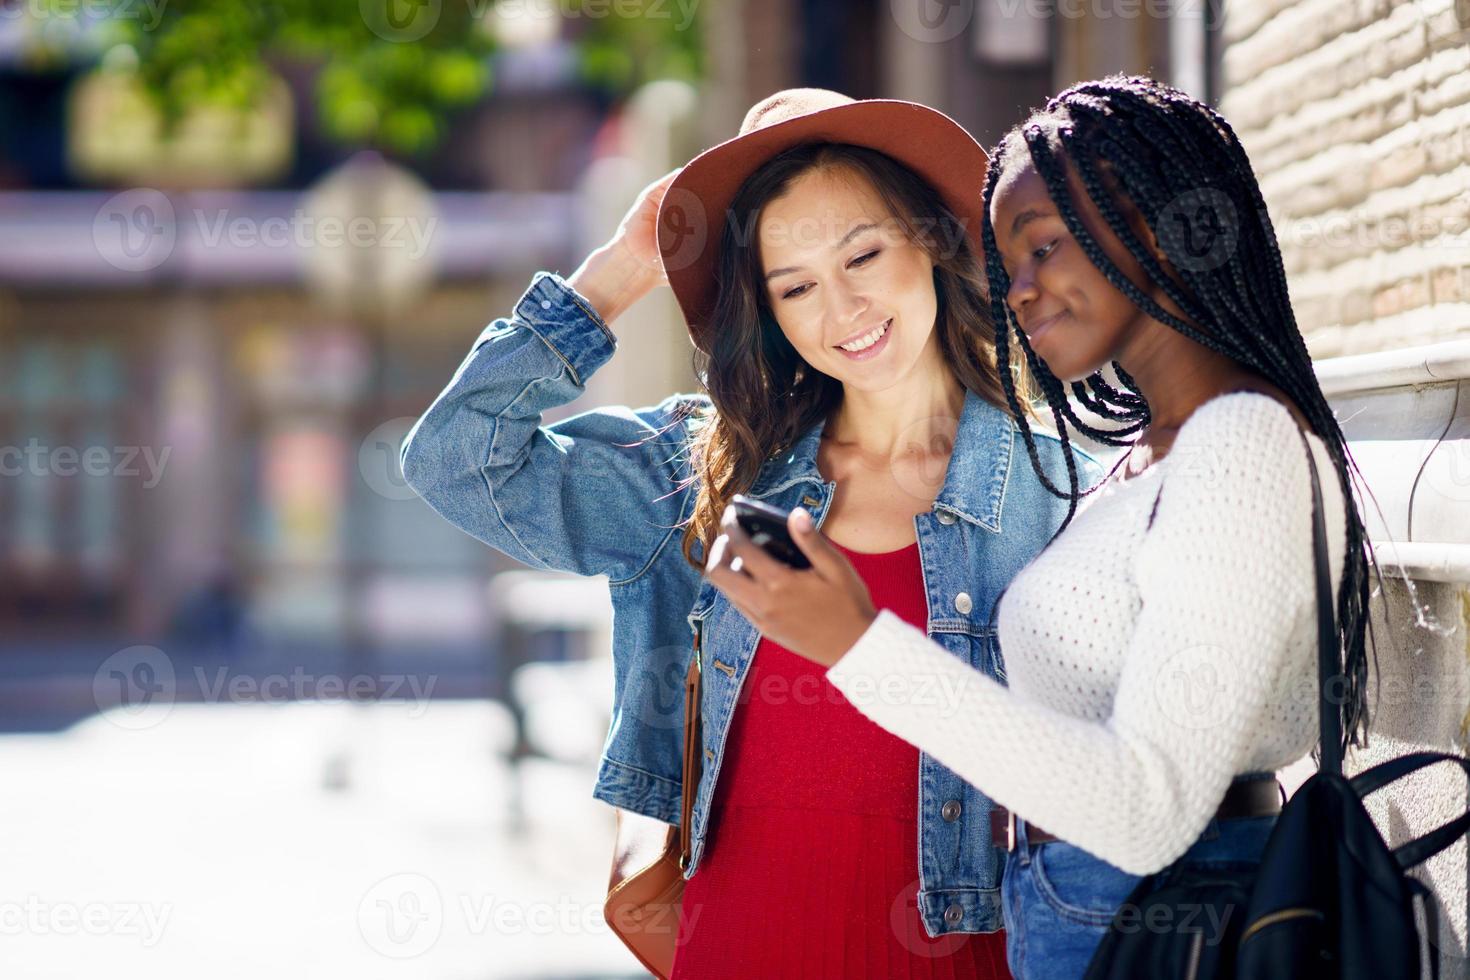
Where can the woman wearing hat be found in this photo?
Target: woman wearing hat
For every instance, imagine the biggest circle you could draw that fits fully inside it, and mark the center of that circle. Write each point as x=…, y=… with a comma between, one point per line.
x=827, y=263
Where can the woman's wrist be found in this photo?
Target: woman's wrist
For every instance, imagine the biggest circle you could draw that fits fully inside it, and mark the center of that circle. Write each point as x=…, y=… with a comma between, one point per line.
x=612, y=279
x=847, y=637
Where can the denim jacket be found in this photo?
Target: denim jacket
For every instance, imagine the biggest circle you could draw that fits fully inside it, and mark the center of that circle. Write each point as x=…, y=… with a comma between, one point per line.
x=598, y=494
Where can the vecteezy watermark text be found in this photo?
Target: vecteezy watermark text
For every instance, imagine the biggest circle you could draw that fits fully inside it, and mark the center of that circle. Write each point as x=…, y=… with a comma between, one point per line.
x=147, y=12
x=35, y=917
x=38, y=459
x=138, y=230
x=403, y=915
x=137, y=687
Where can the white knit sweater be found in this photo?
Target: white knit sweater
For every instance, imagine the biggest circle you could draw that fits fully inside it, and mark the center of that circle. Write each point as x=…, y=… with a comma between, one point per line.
x=1146, y=666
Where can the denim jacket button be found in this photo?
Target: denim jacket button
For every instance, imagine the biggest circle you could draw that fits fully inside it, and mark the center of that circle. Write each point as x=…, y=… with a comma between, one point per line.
x=945, y=517
x=954, y=914
x=950, y=811
x=963, y=604
x=546, y=304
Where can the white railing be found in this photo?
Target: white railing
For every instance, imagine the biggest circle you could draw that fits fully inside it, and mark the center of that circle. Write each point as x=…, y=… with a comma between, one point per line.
x=1406, y=414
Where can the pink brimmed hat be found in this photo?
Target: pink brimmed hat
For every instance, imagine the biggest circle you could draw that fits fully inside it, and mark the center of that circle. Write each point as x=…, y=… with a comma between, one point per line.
x=691, y=217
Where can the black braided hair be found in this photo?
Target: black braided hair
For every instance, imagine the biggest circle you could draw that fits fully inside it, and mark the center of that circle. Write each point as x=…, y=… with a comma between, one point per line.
x=1134, y=141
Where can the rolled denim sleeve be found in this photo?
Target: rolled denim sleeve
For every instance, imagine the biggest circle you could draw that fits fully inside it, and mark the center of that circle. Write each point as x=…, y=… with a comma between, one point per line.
x=598, y=493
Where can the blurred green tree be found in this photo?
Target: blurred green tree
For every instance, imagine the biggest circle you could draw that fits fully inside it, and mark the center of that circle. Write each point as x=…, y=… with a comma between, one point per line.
x=620, y=53
x=389, y=72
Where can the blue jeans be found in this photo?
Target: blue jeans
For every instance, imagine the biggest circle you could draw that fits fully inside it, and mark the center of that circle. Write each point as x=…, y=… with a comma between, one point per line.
x=1059, y=899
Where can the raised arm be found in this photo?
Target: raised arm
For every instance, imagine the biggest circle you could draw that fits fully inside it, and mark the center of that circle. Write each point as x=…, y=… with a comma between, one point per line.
x=597, y=493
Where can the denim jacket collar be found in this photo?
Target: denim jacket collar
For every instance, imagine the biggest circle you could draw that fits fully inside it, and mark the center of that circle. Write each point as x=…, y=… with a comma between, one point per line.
x=974, y=485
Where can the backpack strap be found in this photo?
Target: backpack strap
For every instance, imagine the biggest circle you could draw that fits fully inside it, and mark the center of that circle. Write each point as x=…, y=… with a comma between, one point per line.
x=1423, y=848
x=1329, y=658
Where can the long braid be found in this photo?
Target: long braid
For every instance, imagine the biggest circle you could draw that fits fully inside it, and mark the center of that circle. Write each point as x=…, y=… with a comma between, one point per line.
x=1005, y=321
x=1127, y=380
x=1178, y=163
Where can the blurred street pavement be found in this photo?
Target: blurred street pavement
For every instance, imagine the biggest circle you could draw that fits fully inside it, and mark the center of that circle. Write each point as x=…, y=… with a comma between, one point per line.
x=299, y=840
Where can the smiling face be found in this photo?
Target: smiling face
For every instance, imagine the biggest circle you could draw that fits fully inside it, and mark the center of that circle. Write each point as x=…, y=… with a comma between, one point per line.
x=839, y=272
x=1074, y=318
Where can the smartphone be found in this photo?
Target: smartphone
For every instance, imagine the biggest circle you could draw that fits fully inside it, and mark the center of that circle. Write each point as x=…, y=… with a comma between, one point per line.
x=766, y=526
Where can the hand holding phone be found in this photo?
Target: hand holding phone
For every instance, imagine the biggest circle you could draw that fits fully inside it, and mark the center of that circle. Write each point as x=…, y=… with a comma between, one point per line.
x=766, y=526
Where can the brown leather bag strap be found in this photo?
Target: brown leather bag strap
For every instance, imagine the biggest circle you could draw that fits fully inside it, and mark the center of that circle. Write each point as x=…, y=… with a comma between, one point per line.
x=692, y=748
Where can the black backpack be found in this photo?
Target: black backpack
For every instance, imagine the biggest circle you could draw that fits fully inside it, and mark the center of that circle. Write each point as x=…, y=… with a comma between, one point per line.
x=1329, y=898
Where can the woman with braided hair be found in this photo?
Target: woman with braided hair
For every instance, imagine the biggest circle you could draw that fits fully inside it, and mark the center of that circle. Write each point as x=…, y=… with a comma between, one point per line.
x=1159, y=653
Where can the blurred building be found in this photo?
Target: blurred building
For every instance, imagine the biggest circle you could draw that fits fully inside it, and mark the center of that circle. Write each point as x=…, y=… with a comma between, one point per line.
x=164, y=305
x=983, y=62
x=202, y=389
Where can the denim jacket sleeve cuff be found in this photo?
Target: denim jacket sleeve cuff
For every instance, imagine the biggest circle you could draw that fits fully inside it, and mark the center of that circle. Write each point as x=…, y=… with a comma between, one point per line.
x=568, y=324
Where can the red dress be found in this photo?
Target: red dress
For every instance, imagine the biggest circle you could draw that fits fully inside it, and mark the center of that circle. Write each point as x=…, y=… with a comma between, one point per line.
x=811, y=866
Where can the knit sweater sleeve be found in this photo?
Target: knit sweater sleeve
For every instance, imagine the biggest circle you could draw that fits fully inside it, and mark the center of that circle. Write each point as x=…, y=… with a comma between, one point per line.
x=1224, y=575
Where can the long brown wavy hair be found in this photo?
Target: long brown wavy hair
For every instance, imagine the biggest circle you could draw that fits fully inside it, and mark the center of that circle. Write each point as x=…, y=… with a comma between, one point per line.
x=764, y=395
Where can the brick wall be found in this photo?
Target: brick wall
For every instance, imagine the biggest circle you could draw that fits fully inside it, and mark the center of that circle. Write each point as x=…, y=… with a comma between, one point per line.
x=1356, y=115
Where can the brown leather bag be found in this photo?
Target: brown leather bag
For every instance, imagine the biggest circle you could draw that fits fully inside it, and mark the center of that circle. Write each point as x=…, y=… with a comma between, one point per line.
x=643, y=906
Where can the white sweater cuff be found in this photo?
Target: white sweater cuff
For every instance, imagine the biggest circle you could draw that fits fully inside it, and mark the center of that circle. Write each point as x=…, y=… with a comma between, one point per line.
x=891, y=668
